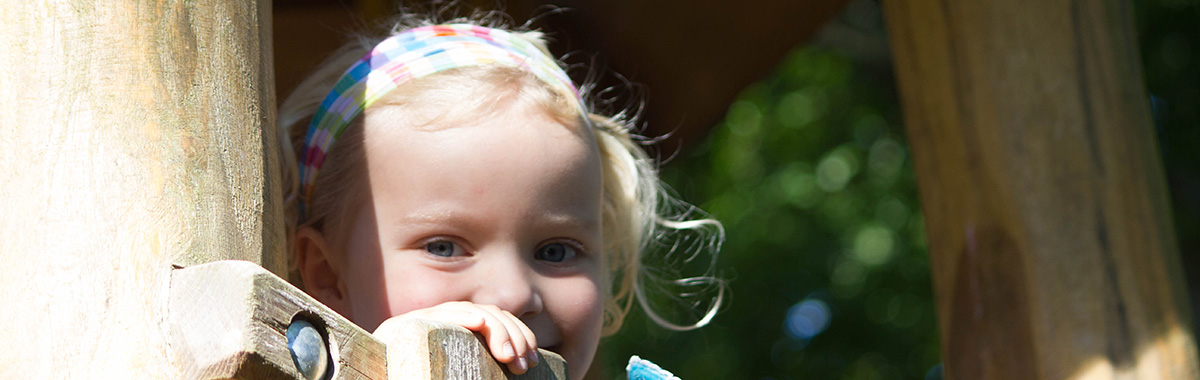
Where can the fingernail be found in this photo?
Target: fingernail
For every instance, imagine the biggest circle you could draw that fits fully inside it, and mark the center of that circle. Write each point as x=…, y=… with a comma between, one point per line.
x=522, y=364
x=508, y=350
x=533, y=358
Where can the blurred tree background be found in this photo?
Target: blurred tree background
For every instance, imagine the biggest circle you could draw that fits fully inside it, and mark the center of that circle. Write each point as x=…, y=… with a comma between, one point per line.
x=825, y=252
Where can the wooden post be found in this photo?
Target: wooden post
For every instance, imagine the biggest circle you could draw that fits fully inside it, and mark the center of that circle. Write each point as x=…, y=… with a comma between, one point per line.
x=1052, y=247
x=135, y=135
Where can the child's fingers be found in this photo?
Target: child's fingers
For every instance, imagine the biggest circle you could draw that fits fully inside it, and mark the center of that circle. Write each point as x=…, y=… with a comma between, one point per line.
x=530, y=340
x=504, y=339
x=469, y=319
x=512, y=343
x=523, y=339
x=509, y=340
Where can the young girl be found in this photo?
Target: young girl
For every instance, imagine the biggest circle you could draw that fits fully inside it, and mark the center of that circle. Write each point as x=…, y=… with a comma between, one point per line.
x=454, y=172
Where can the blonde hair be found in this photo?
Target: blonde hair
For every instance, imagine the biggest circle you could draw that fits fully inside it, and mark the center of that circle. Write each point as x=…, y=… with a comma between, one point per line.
x=635, y=205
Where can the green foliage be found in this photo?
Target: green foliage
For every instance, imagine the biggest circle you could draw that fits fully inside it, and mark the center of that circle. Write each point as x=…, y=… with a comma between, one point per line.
x=810, y=174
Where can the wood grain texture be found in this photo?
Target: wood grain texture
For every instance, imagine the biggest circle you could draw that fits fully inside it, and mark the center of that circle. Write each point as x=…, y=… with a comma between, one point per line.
x=229, y=319
x=1045, y=205
x=431, y=350
x=133, y=138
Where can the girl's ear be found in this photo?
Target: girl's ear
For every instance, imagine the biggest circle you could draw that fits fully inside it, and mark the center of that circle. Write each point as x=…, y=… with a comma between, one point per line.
x=321, y=280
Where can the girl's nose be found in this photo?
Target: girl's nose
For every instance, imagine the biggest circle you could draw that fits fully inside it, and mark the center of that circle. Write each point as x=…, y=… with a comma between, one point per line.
x=511, y=285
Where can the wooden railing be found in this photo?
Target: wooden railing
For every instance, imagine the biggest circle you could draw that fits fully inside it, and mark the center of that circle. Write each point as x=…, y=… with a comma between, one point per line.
x=231, y=319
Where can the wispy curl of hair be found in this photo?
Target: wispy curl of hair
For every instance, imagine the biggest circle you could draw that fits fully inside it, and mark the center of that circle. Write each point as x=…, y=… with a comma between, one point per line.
x=662, y=251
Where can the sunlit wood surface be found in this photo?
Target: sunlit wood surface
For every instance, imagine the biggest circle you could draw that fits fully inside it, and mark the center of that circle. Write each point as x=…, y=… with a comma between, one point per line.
x=1046, y=210
x=134, y=138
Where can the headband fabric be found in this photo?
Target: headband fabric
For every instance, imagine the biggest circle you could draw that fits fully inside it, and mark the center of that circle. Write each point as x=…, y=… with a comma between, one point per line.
x=406, y=56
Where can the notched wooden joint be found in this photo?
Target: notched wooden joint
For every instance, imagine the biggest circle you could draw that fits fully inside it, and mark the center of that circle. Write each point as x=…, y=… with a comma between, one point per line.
x=229, y=320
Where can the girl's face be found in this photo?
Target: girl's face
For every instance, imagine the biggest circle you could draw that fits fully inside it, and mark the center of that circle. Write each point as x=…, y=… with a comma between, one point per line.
x=502, y=211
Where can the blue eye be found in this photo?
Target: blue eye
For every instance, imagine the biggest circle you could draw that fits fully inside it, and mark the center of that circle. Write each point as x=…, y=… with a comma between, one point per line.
x=556, y=252
x=442, y=248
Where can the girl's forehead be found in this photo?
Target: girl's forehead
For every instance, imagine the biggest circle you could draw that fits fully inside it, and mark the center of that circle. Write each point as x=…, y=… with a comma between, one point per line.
x=469, y=95
x=386, y=123
x=517, y=143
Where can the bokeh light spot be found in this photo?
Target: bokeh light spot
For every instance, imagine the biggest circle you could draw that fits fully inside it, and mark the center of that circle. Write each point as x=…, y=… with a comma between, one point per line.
x=885, y=160
x=868, y=128
x=832, y=174
x=807, y=318
x=800, y=185
x=744, y=118
x=873, y=245
x=836, y=169
x=799, y=108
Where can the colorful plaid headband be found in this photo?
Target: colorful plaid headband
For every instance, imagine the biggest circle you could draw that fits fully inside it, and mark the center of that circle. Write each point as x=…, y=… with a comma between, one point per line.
x=413, y=54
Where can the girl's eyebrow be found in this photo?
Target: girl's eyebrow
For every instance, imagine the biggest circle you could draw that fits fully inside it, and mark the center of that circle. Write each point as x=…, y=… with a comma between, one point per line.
x=569, y=220
x=457, y=218
x=436, y=217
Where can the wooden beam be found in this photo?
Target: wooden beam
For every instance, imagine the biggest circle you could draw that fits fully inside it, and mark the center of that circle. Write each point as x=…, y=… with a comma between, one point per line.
x=136, y=134
x=1052, y=247
x=229, y=320
x=431, y=350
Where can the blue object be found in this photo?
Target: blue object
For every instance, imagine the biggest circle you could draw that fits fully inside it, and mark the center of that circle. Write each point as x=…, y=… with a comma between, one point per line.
x=308, y=350
x=641, y=369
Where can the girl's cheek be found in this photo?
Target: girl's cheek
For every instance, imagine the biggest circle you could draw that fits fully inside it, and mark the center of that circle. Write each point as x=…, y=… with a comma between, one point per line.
x=588, y=315
x=589, y=301
x=411, y=286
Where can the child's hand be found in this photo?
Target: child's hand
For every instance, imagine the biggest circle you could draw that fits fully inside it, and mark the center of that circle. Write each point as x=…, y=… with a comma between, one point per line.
x=509, y=340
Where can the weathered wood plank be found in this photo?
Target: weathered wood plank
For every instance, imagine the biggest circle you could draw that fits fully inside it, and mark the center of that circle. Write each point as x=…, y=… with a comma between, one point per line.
x=1052, y=249
x=229, y=319
x=438, y=351
x=136, y=134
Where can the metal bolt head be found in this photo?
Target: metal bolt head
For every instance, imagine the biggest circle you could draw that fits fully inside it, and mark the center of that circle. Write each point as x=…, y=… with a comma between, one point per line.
x=308, y=348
